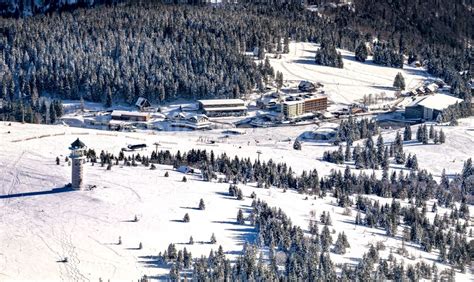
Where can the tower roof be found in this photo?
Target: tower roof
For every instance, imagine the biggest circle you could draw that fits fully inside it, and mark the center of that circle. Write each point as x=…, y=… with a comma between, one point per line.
x=77, y=144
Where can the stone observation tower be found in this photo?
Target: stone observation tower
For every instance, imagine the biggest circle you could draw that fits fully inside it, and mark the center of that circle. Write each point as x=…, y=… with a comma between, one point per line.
x=78, y=154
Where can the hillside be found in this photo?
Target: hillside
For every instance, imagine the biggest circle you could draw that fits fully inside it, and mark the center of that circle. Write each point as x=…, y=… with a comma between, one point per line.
x=351, y=83
x=32, y=7
x=44, y=222
x=249, y=140
x=151, y=50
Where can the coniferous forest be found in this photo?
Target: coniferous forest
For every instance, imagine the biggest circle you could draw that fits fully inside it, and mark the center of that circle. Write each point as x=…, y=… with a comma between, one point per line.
x=161, y=52
x=307, y=257
x=114, y=51
x=164, y=52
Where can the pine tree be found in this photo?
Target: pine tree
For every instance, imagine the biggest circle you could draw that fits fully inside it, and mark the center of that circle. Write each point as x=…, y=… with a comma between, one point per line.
x=240, y=195
x=202, y=206
x=297, y=145
x=58, y=106
x=174, y=274
x=407, y=133
x=240, y=217
x=399, y=82
x=279, y=80
x=409, y=161
x=361, y=52
x=261, y=53
x=385, y=161
x=359, y=161
x=187, y=258
x=380, y=149
x=444, y=180
x=436, y=138
x=467, y=169
x=339, y=246
x=286, y=45
x=425, y=134
x=108, y=98
x=186, y=218
x=414, y=163
x=400, y=158
x=52, y=113
x=347, y=152
x=419, y=134
x=432, y=132
x=328, y=56
x=325, y=239
x=213, y=239
x=442, y=137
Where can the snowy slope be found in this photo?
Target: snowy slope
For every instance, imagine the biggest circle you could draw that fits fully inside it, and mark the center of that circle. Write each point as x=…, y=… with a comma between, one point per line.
x=41, y=224
x=349, y=84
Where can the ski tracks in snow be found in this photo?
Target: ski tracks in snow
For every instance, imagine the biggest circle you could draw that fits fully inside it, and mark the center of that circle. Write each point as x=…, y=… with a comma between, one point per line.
x=69, y=251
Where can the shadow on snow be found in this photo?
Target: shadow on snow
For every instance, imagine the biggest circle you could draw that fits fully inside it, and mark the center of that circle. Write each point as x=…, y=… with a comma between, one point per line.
x=37, y=193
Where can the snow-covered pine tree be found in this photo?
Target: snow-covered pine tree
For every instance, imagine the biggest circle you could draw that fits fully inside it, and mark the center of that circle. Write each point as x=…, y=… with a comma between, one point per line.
x=361, y=52
x=240, y=217
x=186, y=218
x=399, y=82
x=407, y=133
x=202, y=206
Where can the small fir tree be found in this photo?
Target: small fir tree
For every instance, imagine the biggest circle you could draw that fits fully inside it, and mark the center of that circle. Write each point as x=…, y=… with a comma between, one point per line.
x=186, y=218
x=399, y=82
x=202, y=206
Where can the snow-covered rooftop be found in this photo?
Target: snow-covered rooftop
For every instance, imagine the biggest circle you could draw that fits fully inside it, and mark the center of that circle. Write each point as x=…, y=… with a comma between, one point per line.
x=293, y=102
x=437, y=101
x=129, y=113
x=217, y=102
x=228, y=108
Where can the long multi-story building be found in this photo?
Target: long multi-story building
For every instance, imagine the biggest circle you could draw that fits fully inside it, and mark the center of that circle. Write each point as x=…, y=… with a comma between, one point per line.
x=300, y=106
x=315, y=104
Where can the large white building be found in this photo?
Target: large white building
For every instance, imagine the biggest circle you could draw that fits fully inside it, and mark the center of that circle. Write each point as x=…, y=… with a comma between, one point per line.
x=430, y=106
x=223, y=107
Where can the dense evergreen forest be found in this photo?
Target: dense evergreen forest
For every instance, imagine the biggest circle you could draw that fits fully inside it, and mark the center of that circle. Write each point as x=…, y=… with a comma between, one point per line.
x=158, y=51
x=164, y=52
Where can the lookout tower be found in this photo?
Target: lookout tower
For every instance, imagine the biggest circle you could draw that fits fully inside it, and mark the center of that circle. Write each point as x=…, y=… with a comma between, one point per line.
x=78, y=154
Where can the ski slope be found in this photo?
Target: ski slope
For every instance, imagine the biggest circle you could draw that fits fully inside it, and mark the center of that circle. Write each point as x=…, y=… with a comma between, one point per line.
x=41, y=223
x=349, y=84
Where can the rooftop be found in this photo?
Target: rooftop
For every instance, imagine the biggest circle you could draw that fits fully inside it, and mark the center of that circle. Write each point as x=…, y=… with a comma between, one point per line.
x=219, y=109
x=129, y=113
x=293, y=102
x=78, y=144
x=217, y=102
x=437, y=101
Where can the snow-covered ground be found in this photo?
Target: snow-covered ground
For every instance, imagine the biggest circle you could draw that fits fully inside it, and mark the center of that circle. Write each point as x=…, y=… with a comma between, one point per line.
x=42, y=223
x=349, y=84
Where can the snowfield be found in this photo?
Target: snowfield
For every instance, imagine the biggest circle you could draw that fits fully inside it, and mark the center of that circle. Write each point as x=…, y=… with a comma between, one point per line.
x=349, y=84
x=41, y=223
